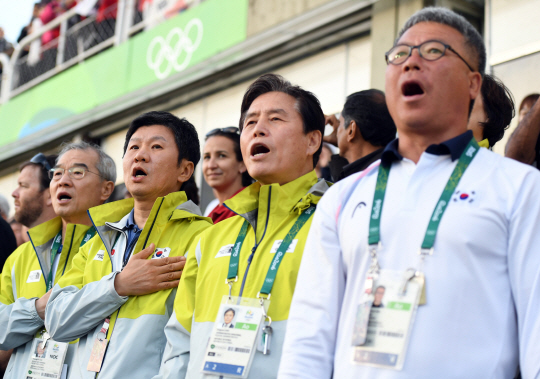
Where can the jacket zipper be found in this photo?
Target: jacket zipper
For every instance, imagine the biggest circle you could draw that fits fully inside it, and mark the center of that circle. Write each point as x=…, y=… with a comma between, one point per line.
x=110, y=331
x=250, y=258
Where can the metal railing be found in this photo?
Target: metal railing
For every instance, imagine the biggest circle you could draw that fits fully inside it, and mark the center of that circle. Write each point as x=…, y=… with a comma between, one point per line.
x=78, y=39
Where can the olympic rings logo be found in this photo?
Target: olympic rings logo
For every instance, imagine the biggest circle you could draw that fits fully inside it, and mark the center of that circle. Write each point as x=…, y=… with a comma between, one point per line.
x=162, y=50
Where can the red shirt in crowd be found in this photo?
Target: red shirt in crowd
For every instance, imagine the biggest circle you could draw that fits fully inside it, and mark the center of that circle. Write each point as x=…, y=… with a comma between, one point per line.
x=107, y=10
x=221, y=212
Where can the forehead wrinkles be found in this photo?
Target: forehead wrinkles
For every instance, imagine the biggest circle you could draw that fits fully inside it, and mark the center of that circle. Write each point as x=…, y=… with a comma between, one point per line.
x=77, y=158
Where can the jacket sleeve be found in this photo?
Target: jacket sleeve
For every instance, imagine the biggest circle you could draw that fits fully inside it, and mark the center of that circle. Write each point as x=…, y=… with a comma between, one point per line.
x=74, y=309
x=309, y=352
x=18, y=317
x=524, y=272
x=178, y=330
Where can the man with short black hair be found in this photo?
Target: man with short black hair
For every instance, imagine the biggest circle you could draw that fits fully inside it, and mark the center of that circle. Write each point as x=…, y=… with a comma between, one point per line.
x=80, y=177
x=364, y=128
x=281, y=139
x=127, y=275
x=448, y=228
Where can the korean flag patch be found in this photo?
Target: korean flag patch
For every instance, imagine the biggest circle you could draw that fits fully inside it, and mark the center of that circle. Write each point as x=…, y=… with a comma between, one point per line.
x=34, y=276
x=161, y=252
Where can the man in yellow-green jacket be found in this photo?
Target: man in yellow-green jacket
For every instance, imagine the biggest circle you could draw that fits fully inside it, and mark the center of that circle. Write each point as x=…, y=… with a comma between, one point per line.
x=253, y=258
x=82, y=176
x=119, y=293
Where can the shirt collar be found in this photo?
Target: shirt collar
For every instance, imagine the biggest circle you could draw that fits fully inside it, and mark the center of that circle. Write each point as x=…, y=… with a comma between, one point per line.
x=131, y=221
x=453, y=147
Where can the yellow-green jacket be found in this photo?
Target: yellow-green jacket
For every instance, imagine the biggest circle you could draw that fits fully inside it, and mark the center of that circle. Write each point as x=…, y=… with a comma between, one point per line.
x=271, y=211
x=86, y=296
x=24, y=281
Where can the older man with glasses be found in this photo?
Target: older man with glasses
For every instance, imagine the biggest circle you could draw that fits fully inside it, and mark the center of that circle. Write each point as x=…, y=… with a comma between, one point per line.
x=450, y=230
x=81, y=177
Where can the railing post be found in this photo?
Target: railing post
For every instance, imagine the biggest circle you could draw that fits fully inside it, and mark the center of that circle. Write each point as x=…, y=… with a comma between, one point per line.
x=120, y=15
x=128, y=19
x=6, y=78
x=61, y=43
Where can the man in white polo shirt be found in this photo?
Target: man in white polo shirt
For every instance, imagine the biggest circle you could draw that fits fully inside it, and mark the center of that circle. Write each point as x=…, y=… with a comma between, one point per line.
x=449, y=229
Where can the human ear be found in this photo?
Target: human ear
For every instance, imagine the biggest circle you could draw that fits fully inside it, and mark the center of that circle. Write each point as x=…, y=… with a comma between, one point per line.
x=351, y=131
x=107, y=189
x=186, y=169
x=242, y=167
x=475, y=84
x=314, y=140
x=47, y=198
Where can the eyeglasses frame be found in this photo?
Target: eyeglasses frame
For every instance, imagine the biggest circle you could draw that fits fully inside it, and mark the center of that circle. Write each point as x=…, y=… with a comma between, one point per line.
x=411, y=48
x=51, y=173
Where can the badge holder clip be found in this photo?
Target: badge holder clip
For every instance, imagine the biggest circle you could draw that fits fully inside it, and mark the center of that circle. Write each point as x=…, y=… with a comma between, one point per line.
x=230, y=282
x=267, y=330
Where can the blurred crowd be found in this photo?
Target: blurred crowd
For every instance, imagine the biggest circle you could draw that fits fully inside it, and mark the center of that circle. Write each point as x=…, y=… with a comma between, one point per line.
x=92, y=23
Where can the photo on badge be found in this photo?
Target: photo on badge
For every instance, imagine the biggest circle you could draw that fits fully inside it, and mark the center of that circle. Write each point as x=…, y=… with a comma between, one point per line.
x=40, y=350
x=228, y=318
x=231, y=346
x=391, y=315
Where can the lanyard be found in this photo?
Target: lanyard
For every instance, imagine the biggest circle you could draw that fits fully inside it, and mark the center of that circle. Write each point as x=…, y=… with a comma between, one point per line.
x=380, y=189
x=89, y=234
x=57, y=245
x=232, y=276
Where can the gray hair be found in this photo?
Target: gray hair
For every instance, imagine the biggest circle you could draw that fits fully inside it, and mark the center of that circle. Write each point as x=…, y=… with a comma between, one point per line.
x=444, y=16
x=105, y=165
x=4, y=206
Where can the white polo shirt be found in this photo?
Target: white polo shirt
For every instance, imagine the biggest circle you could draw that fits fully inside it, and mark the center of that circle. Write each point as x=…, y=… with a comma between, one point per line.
x=482, y=315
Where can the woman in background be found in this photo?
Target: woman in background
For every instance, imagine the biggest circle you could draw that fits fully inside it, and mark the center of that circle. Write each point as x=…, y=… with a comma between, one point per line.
x=492, y=112
x=223, y=169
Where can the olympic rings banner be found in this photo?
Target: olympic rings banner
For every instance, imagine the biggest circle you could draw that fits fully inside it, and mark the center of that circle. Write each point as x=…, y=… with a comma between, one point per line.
x=171, y=47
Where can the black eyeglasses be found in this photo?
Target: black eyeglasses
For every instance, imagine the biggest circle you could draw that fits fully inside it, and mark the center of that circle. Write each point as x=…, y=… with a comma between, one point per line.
x=41, y=159
x=429, y=50
x=228, y=129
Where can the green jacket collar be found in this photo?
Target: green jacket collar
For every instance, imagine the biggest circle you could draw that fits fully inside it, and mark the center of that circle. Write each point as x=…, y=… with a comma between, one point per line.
x=42, y=236
x=109, y=218
x=256, y=201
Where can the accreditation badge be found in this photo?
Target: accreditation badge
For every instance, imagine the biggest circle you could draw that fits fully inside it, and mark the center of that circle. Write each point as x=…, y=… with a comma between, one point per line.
x=47, y=359
x=231, y=346
x=391, y=315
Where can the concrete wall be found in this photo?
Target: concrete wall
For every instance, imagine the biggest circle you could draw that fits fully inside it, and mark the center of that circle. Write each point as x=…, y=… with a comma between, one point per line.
x=263, y=14
x=514, y=49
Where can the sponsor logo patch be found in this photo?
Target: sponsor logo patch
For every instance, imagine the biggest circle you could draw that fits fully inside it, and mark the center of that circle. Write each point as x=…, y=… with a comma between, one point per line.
x=161, y=252
x=225, y=251
x=99, y=256
x=34, y=276
x=277, y=243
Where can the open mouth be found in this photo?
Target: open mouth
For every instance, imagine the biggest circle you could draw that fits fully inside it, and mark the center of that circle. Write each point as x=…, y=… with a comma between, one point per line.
x=139, y=172
x=63, y=196
x=412, y=89
x=259, y=149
